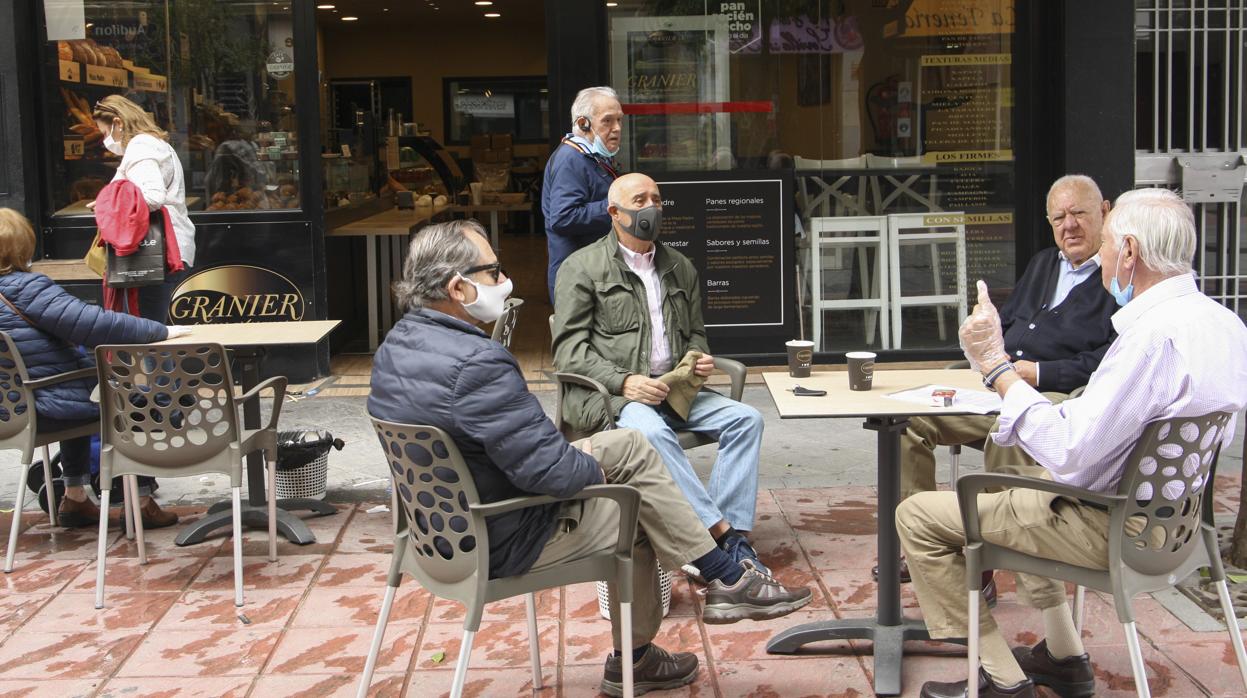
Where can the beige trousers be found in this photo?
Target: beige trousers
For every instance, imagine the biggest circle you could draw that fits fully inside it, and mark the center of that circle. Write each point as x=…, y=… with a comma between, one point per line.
x=1031, y=522
x=667, y=527
x=925, y=434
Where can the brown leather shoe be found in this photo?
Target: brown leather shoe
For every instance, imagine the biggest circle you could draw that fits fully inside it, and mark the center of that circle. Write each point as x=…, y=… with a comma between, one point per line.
x=657, y=669
x=155, y=517
x=987, y=689
x=902, y=572
x=1071, y=677
x=72, y=514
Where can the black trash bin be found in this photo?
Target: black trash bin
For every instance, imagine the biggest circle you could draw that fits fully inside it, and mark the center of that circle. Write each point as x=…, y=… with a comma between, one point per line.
x=303, y=463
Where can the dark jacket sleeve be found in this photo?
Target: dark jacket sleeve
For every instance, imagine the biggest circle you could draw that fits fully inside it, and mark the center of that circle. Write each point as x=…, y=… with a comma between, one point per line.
x=493, y=406
x=1064, y=375
x=573, y=210
x=573, y=329
x=55, y=311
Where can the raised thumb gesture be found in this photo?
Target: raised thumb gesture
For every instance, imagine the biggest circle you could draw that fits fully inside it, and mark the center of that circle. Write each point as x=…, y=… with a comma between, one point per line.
x=980, y=334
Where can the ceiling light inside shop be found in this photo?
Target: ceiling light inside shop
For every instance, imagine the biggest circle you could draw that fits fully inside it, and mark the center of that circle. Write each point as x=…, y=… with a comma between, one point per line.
x=492, y=15
x=612, y=4
x=350, y=18
x=325, y=7
x=484, y=3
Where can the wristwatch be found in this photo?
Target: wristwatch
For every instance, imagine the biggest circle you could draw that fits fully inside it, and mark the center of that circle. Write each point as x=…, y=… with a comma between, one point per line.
x=989, y=379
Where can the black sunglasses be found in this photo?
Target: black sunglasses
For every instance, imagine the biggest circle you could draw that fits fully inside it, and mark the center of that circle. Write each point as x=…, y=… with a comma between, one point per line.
x=494, y=270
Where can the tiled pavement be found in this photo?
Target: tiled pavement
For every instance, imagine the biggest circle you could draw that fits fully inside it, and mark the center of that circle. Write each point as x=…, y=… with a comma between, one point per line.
x=170, y=628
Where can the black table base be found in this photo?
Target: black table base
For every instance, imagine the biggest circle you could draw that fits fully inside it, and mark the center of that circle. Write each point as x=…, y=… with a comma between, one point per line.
x=887, y=651
x=888, y=629
x=288, y=525
x=255, y=509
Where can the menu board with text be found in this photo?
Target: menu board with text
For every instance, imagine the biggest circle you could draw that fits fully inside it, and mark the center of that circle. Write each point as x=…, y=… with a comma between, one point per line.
x=737, y=231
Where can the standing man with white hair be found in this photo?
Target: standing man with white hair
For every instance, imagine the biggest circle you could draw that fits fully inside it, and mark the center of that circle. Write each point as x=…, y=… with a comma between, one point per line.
x=1177, y=354
x=579, y=174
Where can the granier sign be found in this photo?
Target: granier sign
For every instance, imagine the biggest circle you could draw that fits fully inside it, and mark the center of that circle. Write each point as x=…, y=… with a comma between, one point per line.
x=236, y=293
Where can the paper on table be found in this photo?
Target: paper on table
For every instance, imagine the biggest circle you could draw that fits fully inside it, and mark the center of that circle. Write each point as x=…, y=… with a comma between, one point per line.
x=975, y=401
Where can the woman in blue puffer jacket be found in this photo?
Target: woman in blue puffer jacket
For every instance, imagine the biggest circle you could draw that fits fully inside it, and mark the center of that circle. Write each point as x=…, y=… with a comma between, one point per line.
x=49, y=327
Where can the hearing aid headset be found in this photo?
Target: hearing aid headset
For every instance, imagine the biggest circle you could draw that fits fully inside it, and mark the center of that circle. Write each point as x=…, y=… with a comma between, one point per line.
x=583, y=124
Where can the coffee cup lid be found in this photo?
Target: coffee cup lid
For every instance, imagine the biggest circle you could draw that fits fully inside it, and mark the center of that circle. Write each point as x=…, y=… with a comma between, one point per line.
x=860, y=355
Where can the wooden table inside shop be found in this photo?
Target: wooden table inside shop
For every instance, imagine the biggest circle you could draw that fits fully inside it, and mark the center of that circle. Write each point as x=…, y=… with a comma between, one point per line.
x=247, y=342
x=889, y=629
x=388, y=232
x=495, y=234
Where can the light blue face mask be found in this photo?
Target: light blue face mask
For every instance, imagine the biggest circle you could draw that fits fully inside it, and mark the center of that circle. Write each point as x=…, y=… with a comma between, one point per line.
x=1121, y=295
x=597, y=147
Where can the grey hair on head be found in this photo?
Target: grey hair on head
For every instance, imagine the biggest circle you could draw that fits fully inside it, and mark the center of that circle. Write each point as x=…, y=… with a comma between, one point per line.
x=582, y=107
x=435, y=255
x=1073, y=181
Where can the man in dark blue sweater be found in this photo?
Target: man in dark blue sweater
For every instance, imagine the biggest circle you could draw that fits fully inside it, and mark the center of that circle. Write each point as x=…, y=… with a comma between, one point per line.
x=1057, y=325
x=578, y=175
x=438, y=368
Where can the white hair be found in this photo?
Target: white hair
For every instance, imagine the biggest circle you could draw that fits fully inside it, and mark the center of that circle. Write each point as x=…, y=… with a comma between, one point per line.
x=1163, y=225
x=1071, y=181
x=582, y=107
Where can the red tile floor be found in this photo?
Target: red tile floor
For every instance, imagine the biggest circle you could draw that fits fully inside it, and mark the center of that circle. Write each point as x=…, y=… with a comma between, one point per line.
x=170, y=628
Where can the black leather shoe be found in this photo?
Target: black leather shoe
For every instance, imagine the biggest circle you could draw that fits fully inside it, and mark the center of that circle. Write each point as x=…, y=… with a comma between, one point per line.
x=1071, y=677
x=902, y=571
x=657, y=669
x=987, y=689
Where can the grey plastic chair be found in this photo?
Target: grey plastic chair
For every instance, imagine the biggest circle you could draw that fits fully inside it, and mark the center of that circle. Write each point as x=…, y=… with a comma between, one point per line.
x=504, y=326
x=1159, y=531
x=447, y=549
x=735, y=370
x=19, y=430
x=169, y=410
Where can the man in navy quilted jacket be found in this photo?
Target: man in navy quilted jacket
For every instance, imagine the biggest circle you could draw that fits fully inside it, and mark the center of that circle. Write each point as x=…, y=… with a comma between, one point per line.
x=578, y=176
x=438, y=368
x=1057, y=326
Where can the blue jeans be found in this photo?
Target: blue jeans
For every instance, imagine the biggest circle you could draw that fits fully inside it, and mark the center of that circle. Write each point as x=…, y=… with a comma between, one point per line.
x=732, y=492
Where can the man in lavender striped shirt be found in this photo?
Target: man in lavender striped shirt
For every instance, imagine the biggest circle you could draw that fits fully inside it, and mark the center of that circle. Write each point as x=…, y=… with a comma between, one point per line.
x=1178, y=354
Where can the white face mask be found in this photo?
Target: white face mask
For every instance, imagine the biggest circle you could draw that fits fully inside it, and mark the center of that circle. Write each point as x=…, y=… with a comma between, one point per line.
x=112, y=145
x=490, y=300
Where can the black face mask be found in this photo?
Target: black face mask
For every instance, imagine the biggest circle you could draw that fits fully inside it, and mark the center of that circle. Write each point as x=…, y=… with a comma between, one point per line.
x=645, y=222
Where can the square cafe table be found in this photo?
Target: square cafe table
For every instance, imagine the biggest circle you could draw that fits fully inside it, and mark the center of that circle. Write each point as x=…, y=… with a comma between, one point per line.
x=889, y=417
x=248, y=342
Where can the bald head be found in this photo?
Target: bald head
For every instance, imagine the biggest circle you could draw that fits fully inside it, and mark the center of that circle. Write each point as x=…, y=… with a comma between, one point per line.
x=624, y=188
x=631, y=192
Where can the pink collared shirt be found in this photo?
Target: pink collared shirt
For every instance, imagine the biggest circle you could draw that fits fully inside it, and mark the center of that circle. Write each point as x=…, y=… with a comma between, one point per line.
x=1177, y=354
x=642, y=264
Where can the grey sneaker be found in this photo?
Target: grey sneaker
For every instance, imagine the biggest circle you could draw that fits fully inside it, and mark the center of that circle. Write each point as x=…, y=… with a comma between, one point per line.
x=755, y=596
x=657, y=669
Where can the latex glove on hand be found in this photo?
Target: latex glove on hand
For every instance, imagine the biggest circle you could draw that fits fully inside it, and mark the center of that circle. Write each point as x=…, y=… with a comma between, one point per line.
x=176, y=331
x=981, y=337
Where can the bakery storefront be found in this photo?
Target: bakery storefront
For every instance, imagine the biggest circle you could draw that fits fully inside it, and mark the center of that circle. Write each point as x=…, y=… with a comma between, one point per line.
x=837, y=170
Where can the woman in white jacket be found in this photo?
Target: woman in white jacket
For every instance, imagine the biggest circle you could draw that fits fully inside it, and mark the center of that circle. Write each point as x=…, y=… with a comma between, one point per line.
x=151, y=164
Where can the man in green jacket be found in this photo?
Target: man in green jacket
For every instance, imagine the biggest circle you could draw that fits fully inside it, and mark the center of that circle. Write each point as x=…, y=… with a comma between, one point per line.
x=628, y=311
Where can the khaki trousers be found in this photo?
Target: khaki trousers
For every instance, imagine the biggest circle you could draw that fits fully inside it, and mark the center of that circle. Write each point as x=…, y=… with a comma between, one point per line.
x=667, y=527
x=1031, y=522
x=925, y=434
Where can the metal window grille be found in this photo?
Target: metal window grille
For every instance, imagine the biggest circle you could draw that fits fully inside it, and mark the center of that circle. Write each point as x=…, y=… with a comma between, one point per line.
x=1189, y=116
